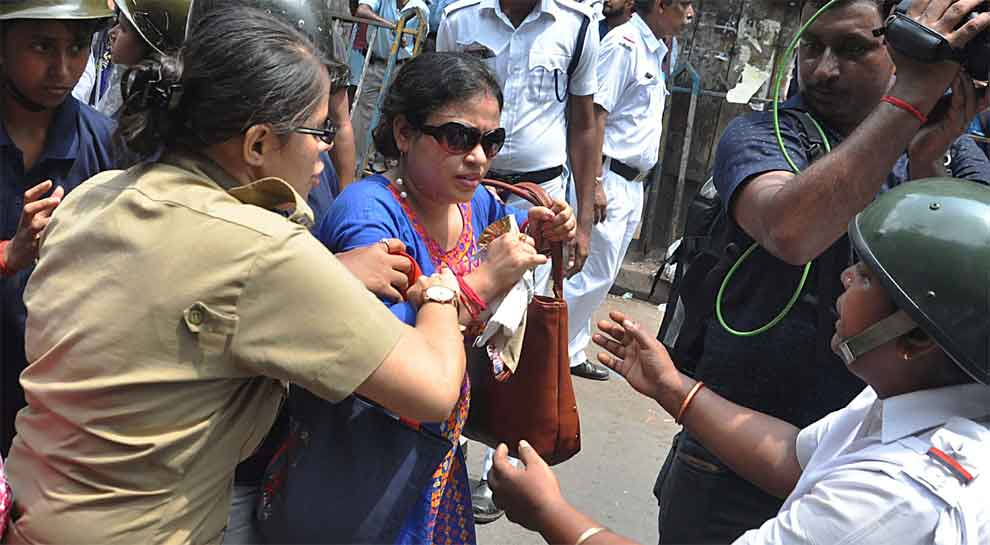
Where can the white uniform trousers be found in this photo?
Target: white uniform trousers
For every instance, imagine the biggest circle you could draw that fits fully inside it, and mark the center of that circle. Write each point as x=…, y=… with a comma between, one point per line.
x=586, y=291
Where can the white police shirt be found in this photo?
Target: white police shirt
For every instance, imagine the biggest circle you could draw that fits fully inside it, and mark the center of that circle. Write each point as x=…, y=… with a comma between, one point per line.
x=530, y=63
x=632, y=89
x=868, y=477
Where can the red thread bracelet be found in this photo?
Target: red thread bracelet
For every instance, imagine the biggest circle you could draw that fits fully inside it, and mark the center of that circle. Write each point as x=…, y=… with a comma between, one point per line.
x=472, y=296
x=906, y=106
x=4, y=271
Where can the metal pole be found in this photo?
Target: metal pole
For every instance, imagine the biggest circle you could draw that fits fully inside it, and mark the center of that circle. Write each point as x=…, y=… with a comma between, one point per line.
x=675, y=217
x=647, y=233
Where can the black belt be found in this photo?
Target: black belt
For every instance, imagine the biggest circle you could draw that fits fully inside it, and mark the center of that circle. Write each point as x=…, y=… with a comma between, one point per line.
x=624, y=170
x=536, y=176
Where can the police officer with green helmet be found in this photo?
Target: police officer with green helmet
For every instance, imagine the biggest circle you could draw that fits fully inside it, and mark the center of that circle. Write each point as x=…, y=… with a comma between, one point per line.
x=315, y=19
x=49, y=144
x=161, y=23
x=906, y=461
x=145, y=29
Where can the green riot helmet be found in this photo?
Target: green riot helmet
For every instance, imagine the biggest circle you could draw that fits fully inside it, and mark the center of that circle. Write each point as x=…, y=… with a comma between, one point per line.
x=311, y=17
x=929, y=242
x=54, y=9
x=161, y=23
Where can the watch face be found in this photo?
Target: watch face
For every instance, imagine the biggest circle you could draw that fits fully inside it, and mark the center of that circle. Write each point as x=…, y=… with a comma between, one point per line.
x=440, y=294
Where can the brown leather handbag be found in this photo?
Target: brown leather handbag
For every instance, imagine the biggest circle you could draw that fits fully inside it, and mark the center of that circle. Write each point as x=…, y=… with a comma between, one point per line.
x=537, y=402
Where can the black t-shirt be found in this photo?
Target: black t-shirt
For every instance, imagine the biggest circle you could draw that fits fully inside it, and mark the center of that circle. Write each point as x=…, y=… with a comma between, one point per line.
x=788, y=371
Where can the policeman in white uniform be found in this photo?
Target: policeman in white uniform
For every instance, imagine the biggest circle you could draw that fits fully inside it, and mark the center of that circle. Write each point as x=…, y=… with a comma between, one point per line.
x=632, y=71
x=544, y=54
x=533, y=49
x=908, y=460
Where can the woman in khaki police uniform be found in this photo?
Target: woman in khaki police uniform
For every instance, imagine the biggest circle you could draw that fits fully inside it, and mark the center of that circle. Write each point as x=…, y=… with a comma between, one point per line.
x=170, y=302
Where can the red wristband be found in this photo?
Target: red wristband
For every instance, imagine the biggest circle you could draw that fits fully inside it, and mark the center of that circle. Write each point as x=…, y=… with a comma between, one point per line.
x=906, y=106
x=471, y=295
x=4, y=271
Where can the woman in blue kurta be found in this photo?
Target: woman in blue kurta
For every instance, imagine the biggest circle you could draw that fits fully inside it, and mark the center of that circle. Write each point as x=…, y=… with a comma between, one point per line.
x=444, y=137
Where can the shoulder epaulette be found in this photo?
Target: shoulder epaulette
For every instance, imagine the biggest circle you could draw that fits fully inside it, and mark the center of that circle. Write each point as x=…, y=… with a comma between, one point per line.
x=582, y=8
x=458, y=5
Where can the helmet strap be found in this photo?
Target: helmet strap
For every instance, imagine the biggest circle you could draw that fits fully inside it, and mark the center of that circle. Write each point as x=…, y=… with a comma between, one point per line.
x=880, y=333
x=21, y=99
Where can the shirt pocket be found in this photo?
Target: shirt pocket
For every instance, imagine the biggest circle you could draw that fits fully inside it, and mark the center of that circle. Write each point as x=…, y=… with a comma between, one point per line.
x=212, y=332
x=548, y=76
x=650, y=90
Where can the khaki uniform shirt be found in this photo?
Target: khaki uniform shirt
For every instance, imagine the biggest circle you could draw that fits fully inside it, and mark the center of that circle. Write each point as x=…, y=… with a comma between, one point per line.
x=165, y=315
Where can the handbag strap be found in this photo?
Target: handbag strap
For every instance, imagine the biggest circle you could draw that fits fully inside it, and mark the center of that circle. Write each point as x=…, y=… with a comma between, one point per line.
x=535, y=195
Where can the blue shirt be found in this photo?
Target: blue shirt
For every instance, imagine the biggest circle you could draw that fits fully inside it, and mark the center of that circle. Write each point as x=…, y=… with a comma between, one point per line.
x=367, y=212
x=788, y=371
x=77, y=147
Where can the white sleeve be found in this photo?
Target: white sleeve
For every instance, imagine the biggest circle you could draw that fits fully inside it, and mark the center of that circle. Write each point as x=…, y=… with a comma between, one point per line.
x=445, y=35
x=584, y=81
x=849, y=507
x=614, y=72
x=808, y=440
x=85, y=84
x=375, y=5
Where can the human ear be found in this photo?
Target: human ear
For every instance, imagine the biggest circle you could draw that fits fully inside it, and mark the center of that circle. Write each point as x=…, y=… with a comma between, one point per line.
x=403, y=133
x=257, y=144
x=915, y=343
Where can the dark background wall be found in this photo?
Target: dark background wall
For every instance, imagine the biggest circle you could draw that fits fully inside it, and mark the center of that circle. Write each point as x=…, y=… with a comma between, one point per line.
x=726, y=36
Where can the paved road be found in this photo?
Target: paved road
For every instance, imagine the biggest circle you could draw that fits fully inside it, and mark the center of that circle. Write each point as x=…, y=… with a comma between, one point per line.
x=625, y=437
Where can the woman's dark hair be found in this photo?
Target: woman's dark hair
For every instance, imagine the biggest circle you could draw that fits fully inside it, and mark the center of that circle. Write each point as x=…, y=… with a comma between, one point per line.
x=240, y=67
x=427, y=84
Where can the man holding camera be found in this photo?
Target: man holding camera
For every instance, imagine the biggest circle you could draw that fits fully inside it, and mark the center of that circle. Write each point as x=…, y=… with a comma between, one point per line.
x=882, y=130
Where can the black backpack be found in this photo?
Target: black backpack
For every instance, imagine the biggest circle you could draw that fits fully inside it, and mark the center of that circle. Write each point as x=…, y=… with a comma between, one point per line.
x=703, y=258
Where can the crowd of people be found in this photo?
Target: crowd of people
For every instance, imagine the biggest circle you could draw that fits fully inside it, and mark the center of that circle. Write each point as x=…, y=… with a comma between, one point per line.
x=191, y=272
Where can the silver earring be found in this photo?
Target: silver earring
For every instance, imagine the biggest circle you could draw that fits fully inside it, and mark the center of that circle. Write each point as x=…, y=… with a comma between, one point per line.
x=402, y=193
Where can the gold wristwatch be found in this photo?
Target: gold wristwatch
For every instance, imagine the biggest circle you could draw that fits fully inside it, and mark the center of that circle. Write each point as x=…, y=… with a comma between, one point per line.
x=440, y=294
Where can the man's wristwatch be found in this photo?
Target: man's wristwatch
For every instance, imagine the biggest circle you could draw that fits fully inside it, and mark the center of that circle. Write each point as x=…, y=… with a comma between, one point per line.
x=440, y=294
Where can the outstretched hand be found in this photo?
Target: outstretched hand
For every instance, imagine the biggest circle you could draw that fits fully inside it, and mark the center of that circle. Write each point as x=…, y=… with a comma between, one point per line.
x=525, y=493
x=635, y=355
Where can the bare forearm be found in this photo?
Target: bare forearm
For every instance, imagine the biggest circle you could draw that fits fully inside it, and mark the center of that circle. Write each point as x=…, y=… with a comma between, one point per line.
x=434, y=322
x=584, y=149
x=343, y=155
x=562, y=523
x=759, y=447
x=834, y=189
x=365, y=11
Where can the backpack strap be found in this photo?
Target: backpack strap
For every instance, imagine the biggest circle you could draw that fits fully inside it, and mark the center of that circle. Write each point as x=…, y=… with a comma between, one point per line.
x=832, y=261
x=814, y=145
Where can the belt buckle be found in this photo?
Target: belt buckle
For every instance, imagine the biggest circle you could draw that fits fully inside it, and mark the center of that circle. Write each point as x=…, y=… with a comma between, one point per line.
x=641, y=176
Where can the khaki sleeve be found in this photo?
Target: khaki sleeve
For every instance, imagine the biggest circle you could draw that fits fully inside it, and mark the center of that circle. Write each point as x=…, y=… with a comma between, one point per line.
x=305, y=319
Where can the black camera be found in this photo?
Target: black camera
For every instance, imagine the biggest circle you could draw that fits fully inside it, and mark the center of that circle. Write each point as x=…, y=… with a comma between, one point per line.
x=919, y=42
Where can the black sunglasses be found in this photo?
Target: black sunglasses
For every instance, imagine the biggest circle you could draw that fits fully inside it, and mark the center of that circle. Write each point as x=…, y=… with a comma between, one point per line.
x=327, y=133
x=457, y=138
